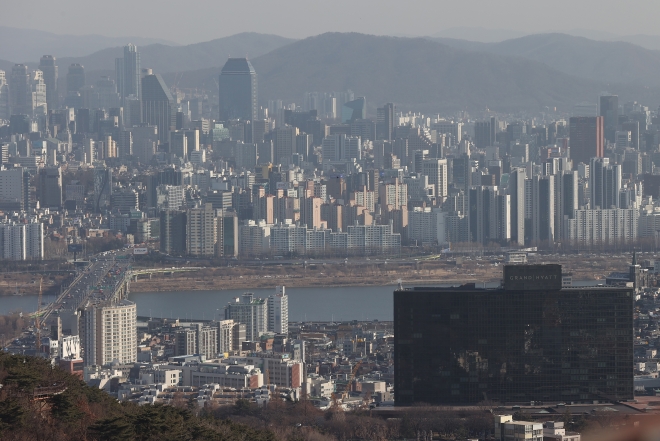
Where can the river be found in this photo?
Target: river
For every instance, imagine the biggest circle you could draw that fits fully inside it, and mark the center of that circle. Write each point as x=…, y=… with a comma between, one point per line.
x=305, y=304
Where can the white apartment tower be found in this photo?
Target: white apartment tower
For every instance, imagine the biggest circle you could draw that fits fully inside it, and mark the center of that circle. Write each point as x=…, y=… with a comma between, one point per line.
x=436, y=170
x=109, y=332
x=201, y=231
x=251, y=312
x=278, y=311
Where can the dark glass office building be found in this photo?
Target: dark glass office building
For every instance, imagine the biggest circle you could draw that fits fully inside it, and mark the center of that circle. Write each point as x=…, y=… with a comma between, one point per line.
x=529, y=340
x=238, y=90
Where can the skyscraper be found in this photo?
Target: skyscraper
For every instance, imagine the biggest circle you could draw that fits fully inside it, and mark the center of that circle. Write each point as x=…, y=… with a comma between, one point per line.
x=385, y=122
x=609, y=109
x=278, y=311
x=38, y=93
x=50, y=187
x=12, y=189
x=102, y=187
x=20, y=91
x=49, y=67
x=128, y=73
x=352, y=110
x=238, y=90
x=75, y=78
x=157, y=104
x=517, y=193
x=586, y=138
x=4, y=97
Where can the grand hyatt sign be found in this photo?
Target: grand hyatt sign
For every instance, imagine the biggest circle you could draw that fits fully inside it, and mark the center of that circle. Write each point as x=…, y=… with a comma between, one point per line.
x=532, y=277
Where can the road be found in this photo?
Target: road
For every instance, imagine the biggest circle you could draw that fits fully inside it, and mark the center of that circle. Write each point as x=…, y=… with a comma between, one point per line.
x=94, y=282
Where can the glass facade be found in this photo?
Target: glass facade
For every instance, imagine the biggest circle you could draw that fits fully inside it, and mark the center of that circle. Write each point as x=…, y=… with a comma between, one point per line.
x=466, y=345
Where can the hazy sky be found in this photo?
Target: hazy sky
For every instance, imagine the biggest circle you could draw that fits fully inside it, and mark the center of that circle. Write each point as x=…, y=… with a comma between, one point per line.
x=189, y=22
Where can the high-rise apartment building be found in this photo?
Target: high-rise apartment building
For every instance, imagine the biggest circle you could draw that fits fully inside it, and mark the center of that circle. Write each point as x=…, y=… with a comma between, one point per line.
x=250, y=311
x=278, y=311
x=12, y=189
x=201, y=231
x=586, y=138
x=522, y=342
x=238, y=91
x=173, y=232
x=48, y=66
x=128, y=71
x=157, y=102
x=19, y=241
x=436, y=170
x=604, y=183
x=109, y=332
x=225, y=336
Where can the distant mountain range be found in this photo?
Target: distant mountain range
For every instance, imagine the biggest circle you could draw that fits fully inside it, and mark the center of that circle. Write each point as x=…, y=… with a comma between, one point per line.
x=22, y=45
x=424, y=75
x=416, y=73
x=484, y=35
x=429, y=74
x=606, y=61
x=163, y=58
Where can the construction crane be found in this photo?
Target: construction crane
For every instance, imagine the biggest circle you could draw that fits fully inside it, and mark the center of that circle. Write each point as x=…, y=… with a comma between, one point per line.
x=37, y=318
x=347, y=389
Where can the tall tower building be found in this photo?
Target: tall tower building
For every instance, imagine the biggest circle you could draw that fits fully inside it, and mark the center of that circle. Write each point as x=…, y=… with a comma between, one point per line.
x=543, y=209
x=50, y=187
x=238, y=90
x=39, y=93
x=517, y=192
x=109, y=332
x=128, y=73
x=278, y=311
x=102, y=188
x=12, y=189
x=49, y=67
x=173, y=232
x=586, y=138
x=201, y=231
x=4, y=97
x=483, y=134
x=608, y=108
x=385, y=122
x=20, y=91
x=75, y=79
x=436, y=170
x=157, y=104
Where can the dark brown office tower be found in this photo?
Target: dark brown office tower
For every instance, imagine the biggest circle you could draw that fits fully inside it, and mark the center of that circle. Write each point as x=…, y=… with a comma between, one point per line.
x=529, y=339
x=586, y=138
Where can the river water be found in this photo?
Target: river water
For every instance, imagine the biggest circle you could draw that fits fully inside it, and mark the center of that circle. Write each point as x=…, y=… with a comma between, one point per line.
x=305, y=304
